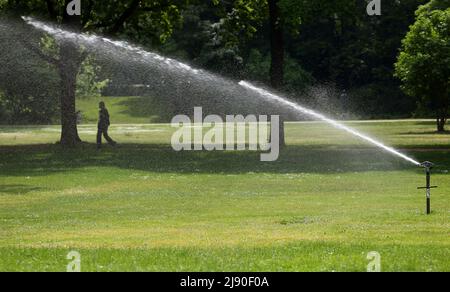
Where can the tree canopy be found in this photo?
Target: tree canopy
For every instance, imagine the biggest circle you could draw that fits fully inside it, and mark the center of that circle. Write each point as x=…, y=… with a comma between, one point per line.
x=424, y=63
x=145, y=20
x=329, y=46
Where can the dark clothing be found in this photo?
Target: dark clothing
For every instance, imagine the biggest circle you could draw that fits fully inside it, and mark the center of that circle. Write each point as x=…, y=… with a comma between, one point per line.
x=104, y=132
x=103, y=119
x=103, y=125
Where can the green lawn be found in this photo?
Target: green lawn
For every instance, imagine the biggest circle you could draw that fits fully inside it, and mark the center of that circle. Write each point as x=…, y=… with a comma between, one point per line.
x=327, y=203
x=127, y=110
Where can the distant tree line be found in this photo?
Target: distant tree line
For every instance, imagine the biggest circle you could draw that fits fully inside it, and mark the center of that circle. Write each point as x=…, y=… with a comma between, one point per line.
x=322, y=43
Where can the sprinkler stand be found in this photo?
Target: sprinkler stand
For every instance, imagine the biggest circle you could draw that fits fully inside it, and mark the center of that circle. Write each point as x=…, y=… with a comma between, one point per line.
x=428, y=166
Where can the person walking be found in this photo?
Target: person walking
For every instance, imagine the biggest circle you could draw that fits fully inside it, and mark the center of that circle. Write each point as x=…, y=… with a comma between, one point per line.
x=103, y=125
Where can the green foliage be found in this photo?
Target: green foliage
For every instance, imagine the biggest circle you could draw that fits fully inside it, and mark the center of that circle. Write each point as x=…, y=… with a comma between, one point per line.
x=49, y=46
x=30, y=86
x=245, y=18
x=433, y=5
x=296, y=78
x=326, y=41
x=292, y=15
x=258, y=67
x=218, y=53
x=88, y=83
x=31, y=109
x=205, y=40
x=379, y=101
x=152, y=23
x=424, y=63
x=157, y=18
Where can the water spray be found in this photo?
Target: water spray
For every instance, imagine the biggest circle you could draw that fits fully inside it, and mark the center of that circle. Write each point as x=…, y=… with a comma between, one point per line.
x=176, y=66
x=336, y=124
x=428, y=166
x=179, y=66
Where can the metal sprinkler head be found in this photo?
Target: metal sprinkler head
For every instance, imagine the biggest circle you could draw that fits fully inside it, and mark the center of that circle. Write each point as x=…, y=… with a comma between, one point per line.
x=428, y=166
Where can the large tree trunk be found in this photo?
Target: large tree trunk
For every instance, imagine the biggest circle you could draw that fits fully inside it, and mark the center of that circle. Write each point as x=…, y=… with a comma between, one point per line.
x=70, y=62
x=70, y=59
x=277, y=53
x=282, y=133
x=277, y=45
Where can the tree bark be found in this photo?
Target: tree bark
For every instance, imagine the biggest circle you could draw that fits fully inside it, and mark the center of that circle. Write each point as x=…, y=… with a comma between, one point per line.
x=70, y=62
x=282, y=133
x=70, y=59
x=277, y=45
x=277, y=53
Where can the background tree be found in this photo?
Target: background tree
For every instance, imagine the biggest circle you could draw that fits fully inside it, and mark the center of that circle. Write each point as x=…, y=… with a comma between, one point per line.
x=246, y=16
x=332, y=45
x=29, y=84
x=332, y=52
x=107, y=17
x=424, y=63
x=88, y=81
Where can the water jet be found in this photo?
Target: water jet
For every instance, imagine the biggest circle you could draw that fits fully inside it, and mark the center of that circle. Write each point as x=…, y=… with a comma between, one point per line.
x=94, y=43
x=266, y=94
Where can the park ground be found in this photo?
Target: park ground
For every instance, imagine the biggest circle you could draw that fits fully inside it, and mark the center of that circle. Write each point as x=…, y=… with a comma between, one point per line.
x=327, y=202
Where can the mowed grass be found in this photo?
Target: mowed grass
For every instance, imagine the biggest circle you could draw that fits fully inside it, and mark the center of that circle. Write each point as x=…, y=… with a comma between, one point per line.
x=125, y=109
x=323, y=206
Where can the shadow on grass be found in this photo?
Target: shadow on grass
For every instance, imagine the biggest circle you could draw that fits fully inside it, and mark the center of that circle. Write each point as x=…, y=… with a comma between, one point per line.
x=426, y=123
x=41, y=160
x=17, y=189
x=427, y=133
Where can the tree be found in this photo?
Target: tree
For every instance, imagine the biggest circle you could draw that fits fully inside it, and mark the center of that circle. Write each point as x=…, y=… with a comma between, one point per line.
x=29, y=84
x=105, y=17
x=276, y=44
x=88, y=83
x=245, y=18
x=424, y=64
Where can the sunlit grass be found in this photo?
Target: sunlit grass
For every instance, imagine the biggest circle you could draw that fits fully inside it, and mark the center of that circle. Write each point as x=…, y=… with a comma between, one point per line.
x=323, y=206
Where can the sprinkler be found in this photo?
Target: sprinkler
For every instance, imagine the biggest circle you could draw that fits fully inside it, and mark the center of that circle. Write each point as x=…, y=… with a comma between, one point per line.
x=428, y=166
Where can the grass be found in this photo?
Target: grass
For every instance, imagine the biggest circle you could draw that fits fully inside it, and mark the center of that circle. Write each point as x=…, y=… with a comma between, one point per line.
x=127, y=109
x=323, y=206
